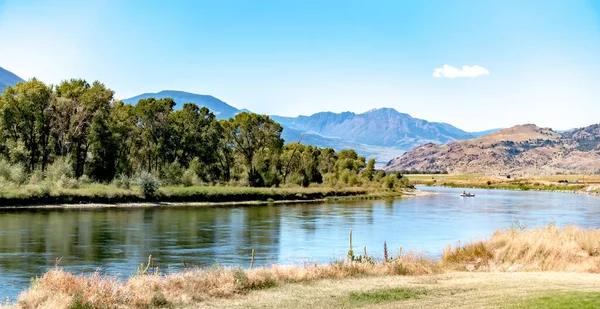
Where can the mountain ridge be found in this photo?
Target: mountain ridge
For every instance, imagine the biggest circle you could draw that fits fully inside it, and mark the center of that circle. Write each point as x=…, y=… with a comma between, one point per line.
x=220, y=108
x=8, y=78
x=393, y=128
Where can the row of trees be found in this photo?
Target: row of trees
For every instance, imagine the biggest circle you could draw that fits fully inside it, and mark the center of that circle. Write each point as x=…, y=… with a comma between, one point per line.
x=101, y=138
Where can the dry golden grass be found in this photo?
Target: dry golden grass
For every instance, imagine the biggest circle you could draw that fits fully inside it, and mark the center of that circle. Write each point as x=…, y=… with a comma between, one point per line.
x=59, y=289
x=543, y=249
x=472, y=290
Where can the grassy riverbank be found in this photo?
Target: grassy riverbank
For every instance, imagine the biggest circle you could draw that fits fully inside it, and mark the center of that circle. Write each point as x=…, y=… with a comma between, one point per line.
x=498, y=272
x=576, y=183
x=108, y=194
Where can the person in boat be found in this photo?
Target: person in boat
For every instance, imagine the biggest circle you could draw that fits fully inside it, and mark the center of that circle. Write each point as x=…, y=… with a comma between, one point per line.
x=464, y=192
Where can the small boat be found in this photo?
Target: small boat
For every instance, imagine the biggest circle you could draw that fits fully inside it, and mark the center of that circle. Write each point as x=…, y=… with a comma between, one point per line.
x=467, y=195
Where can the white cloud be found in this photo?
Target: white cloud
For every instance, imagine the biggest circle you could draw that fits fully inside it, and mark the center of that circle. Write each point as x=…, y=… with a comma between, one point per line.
x=448, y=71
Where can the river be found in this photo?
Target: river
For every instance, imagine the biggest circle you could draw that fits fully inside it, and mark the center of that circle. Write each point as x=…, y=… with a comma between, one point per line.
x=116, y=241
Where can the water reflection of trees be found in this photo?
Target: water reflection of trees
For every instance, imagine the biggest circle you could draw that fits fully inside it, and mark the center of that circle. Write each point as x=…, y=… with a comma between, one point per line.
x=118, y=240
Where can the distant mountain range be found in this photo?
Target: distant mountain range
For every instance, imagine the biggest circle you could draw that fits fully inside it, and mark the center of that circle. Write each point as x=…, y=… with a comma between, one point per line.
x=384, y=127
x=520, y=150
x=8, y=78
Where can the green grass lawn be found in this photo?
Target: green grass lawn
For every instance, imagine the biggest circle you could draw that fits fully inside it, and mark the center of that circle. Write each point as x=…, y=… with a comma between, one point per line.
x=563, y=300
x=361, y=299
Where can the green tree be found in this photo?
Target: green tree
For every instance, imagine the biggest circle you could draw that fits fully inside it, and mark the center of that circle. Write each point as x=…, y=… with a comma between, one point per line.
x=290, y=159
x=196, y=133
x=369, y=171
x=153, y=122
x=103, y=147
x=78, y=108
x=25, y=111
x=225, y=153
x=251, y=134
x=125, y=132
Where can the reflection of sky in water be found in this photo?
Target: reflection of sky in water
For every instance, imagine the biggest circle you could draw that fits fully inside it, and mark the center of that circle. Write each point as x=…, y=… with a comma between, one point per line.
x=116, y=241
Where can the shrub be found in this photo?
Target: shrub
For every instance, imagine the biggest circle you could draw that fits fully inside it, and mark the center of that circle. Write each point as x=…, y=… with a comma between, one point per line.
x=85, y=179
x=330, y=179
x=122, y=182
x=379, y=176
x=36, y=177
x=345, y=176
x=148, y=184
x=403, y=182
x=353, y=180
x=4, y=183
x=59, y=168
x=66, y=182
x=305, y=180
x=12, y=173
x=189, y=178
x=18, y=174
x=389, y=181
x=159, y=300
x=45, y=189
x=255, y=179
x=17, y=152
x=195, y=165
x=172, y=173
x=270, y=178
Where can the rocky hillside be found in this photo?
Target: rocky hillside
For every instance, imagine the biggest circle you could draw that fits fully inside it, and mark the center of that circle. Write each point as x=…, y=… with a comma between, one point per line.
x=520, y=150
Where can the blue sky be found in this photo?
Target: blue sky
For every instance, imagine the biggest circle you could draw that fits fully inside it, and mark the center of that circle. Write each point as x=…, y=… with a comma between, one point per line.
x=540, y=58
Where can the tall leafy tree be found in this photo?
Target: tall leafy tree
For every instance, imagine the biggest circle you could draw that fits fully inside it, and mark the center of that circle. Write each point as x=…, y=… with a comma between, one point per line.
x=103, y=146
x=153, y=121
x=195, y=132
x=369, y=171
x=251, y=134
x=125, y=132
x=25, y=111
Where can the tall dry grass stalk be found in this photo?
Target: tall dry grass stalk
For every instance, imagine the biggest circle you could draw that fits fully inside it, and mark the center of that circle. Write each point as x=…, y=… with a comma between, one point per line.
x=547, y=248
x=60, y=289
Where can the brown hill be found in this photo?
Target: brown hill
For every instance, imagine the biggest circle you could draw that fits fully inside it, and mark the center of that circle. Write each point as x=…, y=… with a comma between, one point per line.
x=521, y=150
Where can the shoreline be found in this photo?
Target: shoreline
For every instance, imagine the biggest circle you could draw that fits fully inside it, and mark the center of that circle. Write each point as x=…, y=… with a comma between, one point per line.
x=460, y=186
x=233, y=203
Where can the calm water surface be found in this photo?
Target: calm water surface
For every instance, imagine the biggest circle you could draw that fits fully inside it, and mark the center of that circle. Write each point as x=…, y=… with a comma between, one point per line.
x=117, y=241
